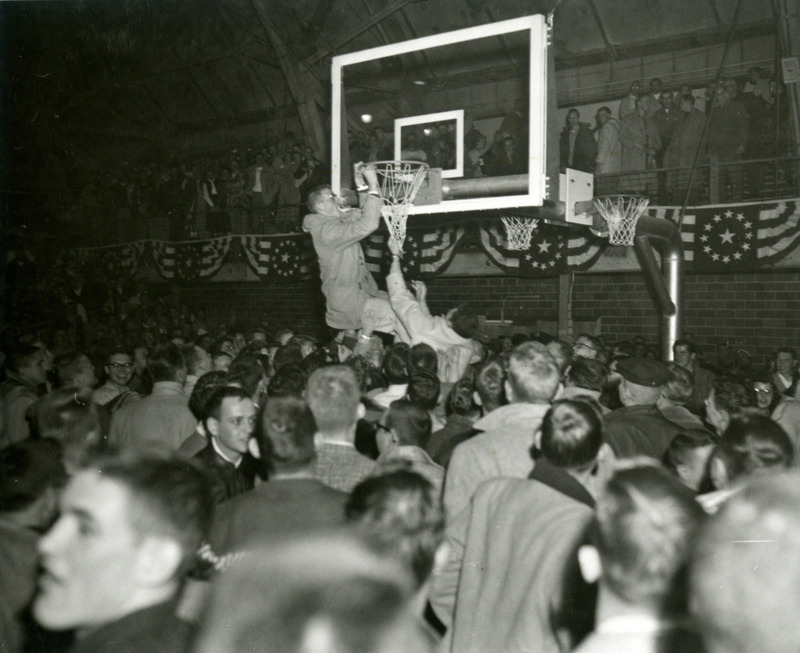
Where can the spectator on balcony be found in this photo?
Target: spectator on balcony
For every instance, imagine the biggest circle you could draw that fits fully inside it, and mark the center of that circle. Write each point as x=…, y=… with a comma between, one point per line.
x=627, y=105
x=640, y=141
x=682, y=149
x=578, y=148
x=727, y=140
x=609, y=149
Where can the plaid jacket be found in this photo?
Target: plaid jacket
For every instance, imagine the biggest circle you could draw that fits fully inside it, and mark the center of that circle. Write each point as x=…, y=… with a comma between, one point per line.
x=341, y=467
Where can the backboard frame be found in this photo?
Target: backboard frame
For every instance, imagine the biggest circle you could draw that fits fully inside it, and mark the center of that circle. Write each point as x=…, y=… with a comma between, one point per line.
x=441, y=116
x=537, y=28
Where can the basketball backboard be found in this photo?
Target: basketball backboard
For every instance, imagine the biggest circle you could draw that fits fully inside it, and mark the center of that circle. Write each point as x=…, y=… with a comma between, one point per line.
x=471, y=103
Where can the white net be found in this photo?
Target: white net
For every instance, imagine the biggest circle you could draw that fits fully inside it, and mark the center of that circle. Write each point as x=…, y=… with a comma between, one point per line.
x=621, y=213
x=518, y=231
x=400, y=182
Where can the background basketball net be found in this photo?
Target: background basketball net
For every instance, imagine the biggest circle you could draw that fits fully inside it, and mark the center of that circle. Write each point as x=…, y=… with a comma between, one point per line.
x=400, y=181
x=518, y=232
x=621, y=213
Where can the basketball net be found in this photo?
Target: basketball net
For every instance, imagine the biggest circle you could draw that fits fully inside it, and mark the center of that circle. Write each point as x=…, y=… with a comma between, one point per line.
x=621, y=213
x=518, y=232
x=400, y=182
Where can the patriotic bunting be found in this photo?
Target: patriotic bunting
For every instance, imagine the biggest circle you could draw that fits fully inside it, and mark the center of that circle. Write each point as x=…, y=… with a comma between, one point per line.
x=285, y=258
x=424, y=252
x=732, y=237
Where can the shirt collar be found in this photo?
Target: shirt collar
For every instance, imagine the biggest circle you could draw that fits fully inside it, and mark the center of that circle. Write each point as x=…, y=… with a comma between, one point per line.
x=225, y=457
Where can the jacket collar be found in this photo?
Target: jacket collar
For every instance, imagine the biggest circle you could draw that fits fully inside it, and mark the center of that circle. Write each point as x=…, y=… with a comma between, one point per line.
x=561, y=481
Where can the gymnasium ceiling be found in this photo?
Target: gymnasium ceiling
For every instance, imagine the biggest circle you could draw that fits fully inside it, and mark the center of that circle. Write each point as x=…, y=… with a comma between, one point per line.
x=81, y=73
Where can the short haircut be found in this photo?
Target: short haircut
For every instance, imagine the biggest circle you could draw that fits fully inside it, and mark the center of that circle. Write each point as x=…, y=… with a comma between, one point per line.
x=205, y=386
x=571, y=434
x=69, y=416
x=289, y=354
x=117, y=350
x=422, y=357
x=744, y=571
x=459, y=400
x=21, y=356
x=285, y=433
x=395, y=363
x=733, y=395
x=464, y=322
x=67, y=366
x=588, y=374
x=248, y=371
x=270, y=598
x=288, y=381
x=787, y=350
x=316, y=194
x=213, y=407
x=411, y=422
x=678, y=389
x=754, y=443
x=684, y=444
x=170, y=497
x=400, y=513
x=604, y=109
x=27, y=470
x=490, y=382
x=682, y=342
x=424, y=389
x=591, y=341
x=533, y=373
x=165, y=363
x=561, y=353
x=192, y=357
x=688, y=97
x=646, y=521
x=333, y=396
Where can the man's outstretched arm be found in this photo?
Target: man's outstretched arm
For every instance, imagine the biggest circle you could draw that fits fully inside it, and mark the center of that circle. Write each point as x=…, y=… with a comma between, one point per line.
x=348, y=231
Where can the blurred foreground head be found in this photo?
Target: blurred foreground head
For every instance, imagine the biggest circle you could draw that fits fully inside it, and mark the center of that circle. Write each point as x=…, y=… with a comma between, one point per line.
x=321, y=594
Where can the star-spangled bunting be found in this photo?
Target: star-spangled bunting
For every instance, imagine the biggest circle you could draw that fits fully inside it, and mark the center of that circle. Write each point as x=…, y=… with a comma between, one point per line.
x=718, y=238
x=191, y=260
x=425, y=252
x=283, y=258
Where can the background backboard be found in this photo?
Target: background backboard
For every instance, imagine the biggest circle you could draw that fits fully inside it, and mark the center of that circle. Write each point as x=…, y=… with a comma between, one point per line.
x=472, y=102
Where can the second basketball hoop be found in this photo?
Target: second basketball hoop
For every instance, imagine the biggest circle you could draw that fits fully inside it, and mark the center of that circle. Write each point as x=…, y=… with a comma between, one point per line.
x=621, y=213
x=518, y=232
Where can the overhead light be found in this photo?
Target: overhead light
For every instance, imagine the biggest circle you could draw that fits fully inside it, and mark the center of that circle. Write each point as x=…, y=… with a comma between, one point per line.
x=366, y=117
x=419, y=82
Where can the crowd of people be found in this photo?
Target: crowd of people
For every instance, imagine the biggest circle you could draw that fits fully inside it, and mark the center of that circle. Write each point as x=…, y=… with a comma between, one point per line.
x=663, y=129
x=249, y=188
x=221, y=490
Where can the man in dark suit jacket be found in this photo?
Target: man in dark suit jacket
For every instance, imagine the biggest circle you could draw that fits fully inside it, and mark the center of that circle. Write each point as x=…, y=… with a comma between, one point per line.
x=229, y=420
x=293, y=501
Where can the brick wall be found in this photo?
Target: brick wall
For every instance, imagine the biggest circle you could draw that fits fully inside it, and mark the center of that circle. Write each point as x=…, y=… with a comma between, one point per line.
x=756, y=311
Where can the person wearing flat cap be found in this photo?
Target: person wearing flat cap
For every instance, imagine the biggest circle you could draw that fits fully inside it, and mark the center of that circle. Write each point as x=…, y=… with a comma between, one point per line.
x=639, y=428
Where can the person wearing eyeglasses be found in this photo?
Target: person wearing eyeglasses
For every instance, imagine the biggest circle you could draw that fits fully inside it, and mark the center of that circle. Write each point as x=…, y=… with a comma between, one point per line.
x=119, y=370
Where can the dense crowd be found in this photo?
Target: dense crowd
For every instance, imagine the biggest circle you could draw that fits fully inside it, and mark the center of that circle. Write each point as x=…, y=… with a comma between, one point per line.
x=191, y=486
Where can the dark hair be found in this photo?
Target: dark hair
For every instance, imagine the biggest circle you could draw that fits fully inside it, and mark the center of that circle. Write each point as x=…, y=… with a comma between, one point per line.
x=399, y=513
x=27, y=470
x=571, y=433
x=490, y=382
x=424, y=389
x=288, y=354
x=680, y=385
x=464, y=322
x=67, y=366
x=753, y=443
x=646, y=522
x=684, y=444
x=682, y=342
x=21, y=356
x=733, y=395
x=69, y=416
x=248, y=371
x=588, y=374
x=285, y=433
x=165, y=363
x=460, y=400
x=395, y=363
x=213, y=407
x=205, y=386
x=411, y=421
x=117, y=350
x=422, y=357
x=192, y=356
x=288, y=381
x=688, y=97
